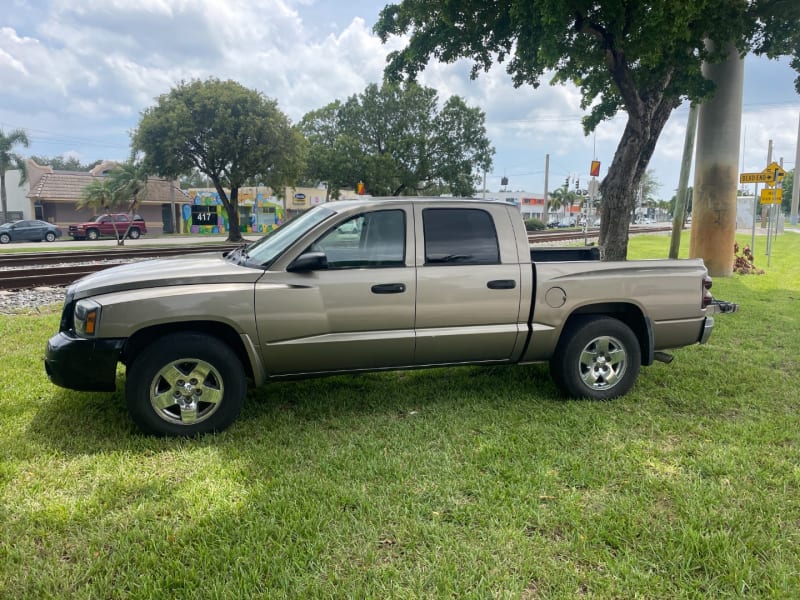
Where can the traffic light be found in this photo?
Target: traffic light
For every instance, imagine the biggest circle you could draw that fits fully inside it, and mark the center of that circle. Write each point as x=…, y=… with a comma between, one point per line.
x=566, y=182
x=577, y=183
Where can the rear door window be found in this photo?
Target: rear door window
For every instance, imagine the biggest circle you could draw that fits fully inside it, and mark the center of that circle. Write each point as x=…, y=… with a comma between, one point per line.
x=460, y=236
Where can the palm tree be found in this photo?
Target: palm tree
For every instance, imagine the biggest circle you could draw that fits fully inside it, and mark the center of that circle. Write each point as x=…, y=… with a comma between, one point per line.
x=562, y=198
x=10, y=160
x=128, y=182
x=99, y=196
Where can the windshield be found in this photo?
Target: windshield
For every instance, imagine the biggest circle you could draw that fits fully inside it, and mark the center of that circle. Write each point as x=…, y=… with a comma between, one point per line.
x=271, y=246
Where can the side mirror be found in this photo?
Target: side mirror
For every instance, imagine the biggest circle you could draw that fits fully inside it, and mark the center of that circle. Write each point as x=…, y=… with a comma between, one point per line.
x=310, y=261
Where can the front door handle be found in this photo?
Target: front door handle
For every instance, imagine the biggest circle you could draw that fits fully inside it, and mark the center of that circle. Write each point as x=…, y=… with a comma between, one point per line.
x=502, y=284
x=389, y=288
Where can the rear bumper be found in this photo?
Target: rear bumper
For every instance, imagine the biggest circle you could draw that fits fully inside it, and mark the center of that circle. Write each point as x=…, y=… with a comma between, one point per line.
x=82, y=364
x=708, y=327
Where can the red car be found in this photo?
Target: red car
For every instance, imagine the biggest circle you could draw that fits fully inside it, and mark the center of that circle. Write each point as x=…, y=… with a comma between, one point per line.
x=110, y=225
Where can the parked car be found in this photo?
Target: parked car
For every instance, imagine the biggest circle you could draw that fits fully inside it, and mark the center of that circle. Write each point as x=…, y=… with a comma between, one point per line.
x=568, y=222
x=109, y=225
x=28, y=231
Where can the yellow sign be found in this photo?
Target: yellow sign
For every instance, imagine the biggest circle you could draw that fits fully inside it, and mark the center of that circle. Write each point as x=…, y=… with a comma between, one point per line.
x=777, y=171
x=756, y=178
x=771, y=196
x=773, y=174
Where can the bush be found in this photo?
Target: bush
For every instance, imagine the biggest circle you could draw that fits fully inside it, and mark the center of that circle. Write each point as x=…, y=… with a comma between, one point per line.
x=534, y=225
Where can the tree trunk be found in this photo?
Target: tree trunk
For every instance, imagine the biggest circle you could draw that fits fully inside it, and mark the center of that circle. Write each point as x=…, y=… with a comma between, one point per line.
x=716, y=168
x=618, y=189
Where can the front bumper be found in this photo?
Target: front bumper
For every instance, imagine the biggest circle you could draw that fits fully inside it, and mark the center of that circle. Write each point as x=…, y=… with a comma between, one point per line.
x=82, y=364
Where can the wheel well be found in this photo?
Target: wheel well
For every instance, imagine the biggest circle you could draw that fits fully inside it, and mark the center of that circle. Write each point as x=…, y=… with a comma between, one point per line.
x=224, y=333
x=630, y=314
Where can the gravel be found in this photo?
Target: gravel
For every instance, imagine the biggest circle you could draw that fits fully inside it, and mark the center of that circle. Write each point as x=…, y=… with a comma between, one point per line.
x=17, y=301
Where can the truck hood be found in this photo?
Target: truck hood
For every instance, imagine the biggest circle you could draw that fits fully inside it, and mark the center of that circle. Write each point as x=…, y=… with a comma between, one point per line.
x=189, y=270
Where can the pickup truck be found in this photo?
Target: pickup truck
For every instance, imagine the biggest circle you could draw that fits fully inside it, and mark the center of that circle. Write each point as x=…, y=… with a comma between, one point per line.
x=364, y=286
x=109, y=225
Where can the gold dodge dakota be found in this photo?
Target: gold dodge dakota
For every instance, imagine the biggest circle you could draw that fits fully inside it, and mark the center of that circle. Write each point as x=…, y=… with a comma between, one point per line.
x=354, y=286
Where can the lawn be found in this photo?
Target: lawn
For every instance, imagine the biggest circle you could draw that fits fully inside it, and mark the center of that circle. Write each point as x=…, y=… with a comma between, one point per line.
x=461, y=482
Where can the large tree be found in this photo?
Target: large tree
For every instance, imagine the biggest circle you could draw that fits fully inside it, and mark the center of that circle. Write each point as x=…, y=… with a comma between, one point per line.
x=639, y=56
x=10, y=160
x=227, y=132
x=398, y=141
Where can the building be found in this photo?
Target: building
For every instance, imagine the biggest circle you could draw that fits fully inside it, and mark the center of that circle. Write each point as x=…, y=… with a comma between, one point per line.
x=260, y=210
x=17, y=203
x=53, y=195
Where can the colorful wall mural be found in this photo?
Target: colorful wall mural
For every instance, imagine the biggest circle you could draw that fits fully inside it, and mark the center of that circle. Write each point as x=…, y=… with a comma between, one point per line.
x=259, y=211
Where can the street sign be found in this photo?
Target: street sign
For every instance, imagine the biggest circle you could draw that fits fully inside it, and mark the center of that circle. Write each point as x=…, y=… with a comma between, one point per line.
x=777, y=171
x=763, y=177
x=771, y=196
x=773, y=174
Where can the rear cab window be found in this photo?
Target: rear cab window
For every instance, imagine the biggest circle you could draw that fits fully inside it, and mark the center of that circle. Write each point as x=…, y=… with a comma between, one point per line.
x=460, y=236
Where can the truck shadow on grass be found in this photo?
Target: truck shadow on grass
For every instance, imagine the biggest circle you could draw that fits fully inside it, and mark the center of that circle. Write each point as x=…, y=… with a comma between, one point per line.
x=87, y=422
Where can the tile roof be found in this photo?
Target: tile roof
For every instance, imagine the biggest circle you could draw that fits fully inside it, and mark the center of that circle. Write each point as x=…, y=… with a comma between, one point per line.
x=67, y=186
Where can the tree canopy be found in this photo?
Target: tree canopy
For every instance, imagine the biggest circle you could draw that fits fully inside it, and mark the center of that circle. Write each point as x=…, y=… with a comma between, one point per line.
x=640, y=57
x=229, y=133
x=398, y=141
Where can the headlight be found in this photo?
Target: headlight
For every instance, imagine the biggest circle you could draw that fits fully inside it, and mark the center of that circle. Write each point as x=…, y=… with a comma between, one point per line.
x=87, y=317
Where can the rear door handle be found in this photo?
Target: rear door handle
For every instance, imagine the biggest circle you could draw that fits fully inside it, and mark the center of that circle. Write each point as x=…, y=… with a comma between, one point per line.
x=502, y=284
x=389, y=288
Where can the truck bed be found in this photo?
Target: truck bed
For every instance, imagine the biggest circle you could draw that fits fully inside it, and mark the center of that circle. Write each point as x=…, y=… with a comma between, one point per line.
x=561, y=254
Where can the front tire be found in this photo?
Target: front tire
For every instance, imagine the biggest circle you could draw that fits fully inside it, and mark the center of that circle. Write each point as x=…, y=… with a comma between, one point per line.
x=4, y=238
x=185, y=384
x=92, y=234
x=50, y=236
x=596, y=358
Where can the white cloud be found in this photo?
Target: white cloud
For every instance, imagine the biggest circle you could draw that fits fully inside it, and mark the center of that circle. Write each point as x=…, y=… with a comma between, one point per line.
x=77, y=75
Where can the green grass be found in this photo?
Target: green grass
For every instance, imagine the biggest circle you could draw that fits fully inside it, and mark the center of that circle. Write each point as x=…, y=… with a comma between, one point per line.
x=462, y=482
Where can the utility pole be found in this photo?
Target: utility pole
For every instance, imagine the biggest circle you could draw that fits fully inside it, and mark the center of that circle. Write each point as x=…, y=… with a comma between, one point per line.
x=681, y=200
x=716, y=165
x=795, y=182
x=546, y=183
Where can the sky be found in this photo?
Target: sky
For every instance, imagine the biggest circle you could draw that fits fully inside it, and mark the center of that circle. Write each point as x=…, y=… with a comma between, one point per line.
x=75, y=75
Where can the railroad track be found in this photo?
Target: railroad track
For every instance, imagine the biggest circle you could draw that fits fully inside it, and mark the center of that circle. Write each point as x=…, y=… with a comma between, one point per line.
x=37, y=269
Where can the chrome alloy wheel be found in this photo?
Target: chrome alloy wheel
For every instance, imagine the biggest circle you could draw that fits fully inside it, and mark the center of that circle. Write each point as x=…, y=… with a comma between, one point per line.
x=603, y=362
x=186, y=391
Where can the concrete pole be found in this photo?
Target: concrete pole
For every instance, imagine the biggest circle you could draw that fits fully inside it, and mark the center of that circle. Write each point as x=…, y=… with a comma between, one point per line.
x=546, y=184
x=795, y=182
x=679, y=217
x=716, y=173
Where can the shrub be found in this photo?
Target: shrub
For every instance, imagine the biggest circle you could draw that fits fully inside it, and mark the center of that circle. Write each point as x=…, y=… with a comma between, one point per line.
x=534, y=225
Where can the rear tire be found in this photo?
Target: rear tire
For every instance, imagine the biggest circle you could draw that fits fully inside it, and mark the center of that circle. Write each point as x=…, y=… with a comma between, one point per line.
x=134, y=234
x=185, y=384
x=597, y=358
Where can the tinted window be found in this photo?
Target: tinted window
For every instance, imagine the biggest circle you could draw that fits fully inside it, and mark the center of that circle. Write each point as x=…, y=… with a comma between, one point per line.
x=459, y=236
x=374, y=239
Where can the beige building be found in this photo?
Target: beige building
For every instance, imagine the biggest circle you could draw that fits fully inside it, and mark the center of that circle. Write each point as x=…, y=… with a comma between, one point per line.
x=53, y=195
